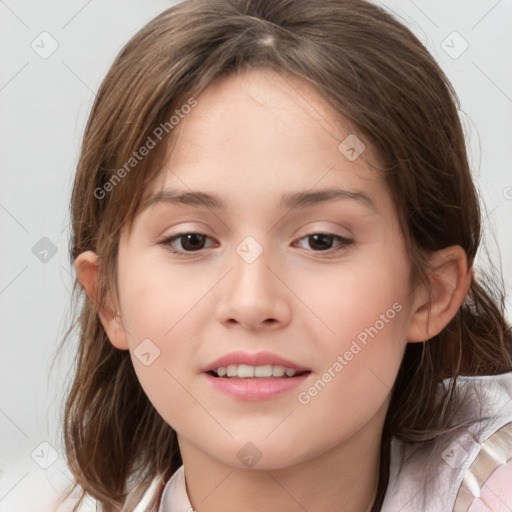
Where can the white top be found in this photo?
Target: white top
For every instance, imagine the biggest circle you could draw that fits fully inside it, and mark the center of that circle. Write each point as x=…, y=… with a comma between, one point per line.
x=444, y=475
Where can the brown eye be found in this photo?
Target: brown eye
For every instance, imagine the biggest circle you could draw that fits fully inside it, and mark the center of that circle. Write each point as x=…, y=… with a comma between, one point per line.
x=190, y=242
x=322, y=242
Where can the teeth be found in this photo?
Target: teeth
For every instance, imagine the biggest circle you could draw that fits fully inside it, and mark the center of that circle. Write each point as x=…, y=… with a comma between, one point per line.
x=245, y=371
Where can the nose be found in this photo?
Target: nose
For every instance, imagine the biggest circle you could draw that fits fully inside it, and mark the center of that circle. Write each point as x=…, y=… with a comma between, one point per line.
x=253, y=295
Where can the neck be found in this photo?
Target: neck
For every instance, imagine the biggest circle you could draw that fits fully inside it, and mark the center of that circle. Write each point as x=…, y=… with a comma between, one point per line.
x=345, y=478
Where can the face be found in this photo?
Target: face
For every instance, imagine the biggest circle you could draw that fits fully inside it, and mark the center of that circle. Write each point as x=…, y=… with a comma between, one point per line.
x=321, y=283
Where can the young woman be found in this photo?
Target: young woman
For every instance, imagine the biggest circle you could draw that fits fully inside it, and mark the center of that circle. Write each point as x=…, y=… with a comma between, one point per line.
x=274, y=233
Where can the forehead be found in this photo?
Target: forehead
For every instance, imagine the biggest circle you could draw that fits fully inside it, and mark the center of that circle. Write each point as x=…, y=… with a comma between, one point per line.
x=259, y=114
x=260, y=124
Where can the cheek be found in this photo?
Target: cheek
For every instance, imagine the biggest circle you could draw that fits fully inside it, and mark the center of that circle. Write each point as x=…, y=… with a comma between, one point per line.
x=160, y=360
x=359, y=366
x=360, y=316
x=157, y=307
x=342, y=301
x=157, y=299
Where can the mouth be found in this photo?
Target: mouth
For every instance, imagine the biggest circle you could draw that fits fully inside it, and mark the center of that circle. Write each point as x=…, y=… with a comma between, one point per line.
x=248, y=372
x=264, y=365
x=253, y=383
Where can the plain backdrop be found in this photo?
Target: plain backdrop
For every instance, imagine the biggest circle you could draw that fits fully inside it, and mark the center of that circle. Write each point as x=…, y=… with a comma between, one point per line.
x=44, y=104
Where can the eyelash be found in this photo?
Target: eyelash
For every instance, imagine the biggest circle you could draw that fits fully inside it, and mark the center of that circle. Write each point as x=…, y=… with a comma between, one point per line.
x=168, y=241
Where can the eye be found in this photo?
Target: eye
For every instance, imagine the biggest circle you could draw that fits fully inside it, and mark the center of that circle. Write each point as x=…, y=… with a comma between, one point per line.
x=321, y=241
x=190, y=242
x=194, y=242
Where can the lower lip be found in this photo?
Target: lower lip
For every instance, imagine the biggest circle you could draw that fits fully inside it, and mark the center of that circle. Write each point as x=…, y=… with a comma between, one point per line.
x=255, y=389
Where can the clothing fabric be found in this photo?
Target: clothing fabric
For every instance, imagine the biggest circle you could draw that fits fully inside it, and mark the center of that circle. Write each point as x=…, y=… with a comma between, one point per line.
x=443, y=475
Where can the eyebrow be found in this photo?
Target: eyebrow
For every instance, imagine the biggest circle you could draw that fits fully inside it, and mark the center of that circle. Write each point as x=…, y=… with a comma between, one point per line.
x=290, y=201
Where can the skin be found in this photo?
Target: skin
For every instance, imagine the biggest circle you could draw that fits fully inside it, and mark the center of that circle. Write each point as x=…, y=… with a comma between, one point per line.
x=253, y=137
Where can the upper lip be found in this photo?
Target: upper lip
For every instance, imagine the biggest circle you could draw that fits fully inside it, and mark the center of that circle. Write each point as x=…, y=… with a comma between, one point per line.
x=257, y=359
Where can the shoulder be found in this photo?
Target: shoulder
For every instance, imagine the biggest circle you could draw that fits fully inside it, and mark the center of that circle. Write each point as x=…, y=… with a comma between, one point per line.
x=459, y=469
x=496, y=492
x=487, y=484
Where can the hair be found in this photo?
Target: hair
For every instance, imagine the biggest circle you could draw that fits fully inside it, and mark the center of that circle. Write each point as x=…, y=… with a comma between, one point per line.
x=373, y=71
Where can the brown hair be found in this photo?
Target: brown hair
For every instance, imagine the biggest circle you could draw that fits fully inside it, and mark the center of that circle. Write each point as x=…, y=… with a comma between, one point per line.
x=379, y=76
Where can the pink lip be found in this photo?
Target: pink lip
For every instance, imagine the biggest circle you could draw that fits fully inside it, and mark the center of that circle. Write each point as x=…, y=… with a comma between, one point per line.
x=254, y=389
x=258, y=359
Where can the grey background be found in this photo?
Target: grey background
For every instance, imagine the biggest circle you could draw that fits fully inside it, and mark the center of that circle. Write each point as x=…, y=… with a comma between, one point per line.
x=45, y=103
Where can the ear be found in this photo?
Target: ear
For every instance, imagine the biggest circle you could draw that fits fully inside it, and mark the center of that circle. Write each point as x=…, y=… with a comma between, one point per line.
x=87, y=268
x=450, y=279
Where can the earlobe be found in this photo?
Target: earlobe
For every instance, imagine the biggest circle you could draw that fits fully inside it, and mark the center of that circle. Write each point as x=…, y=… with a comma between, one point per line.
x=87, y=271
x=450, y=279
